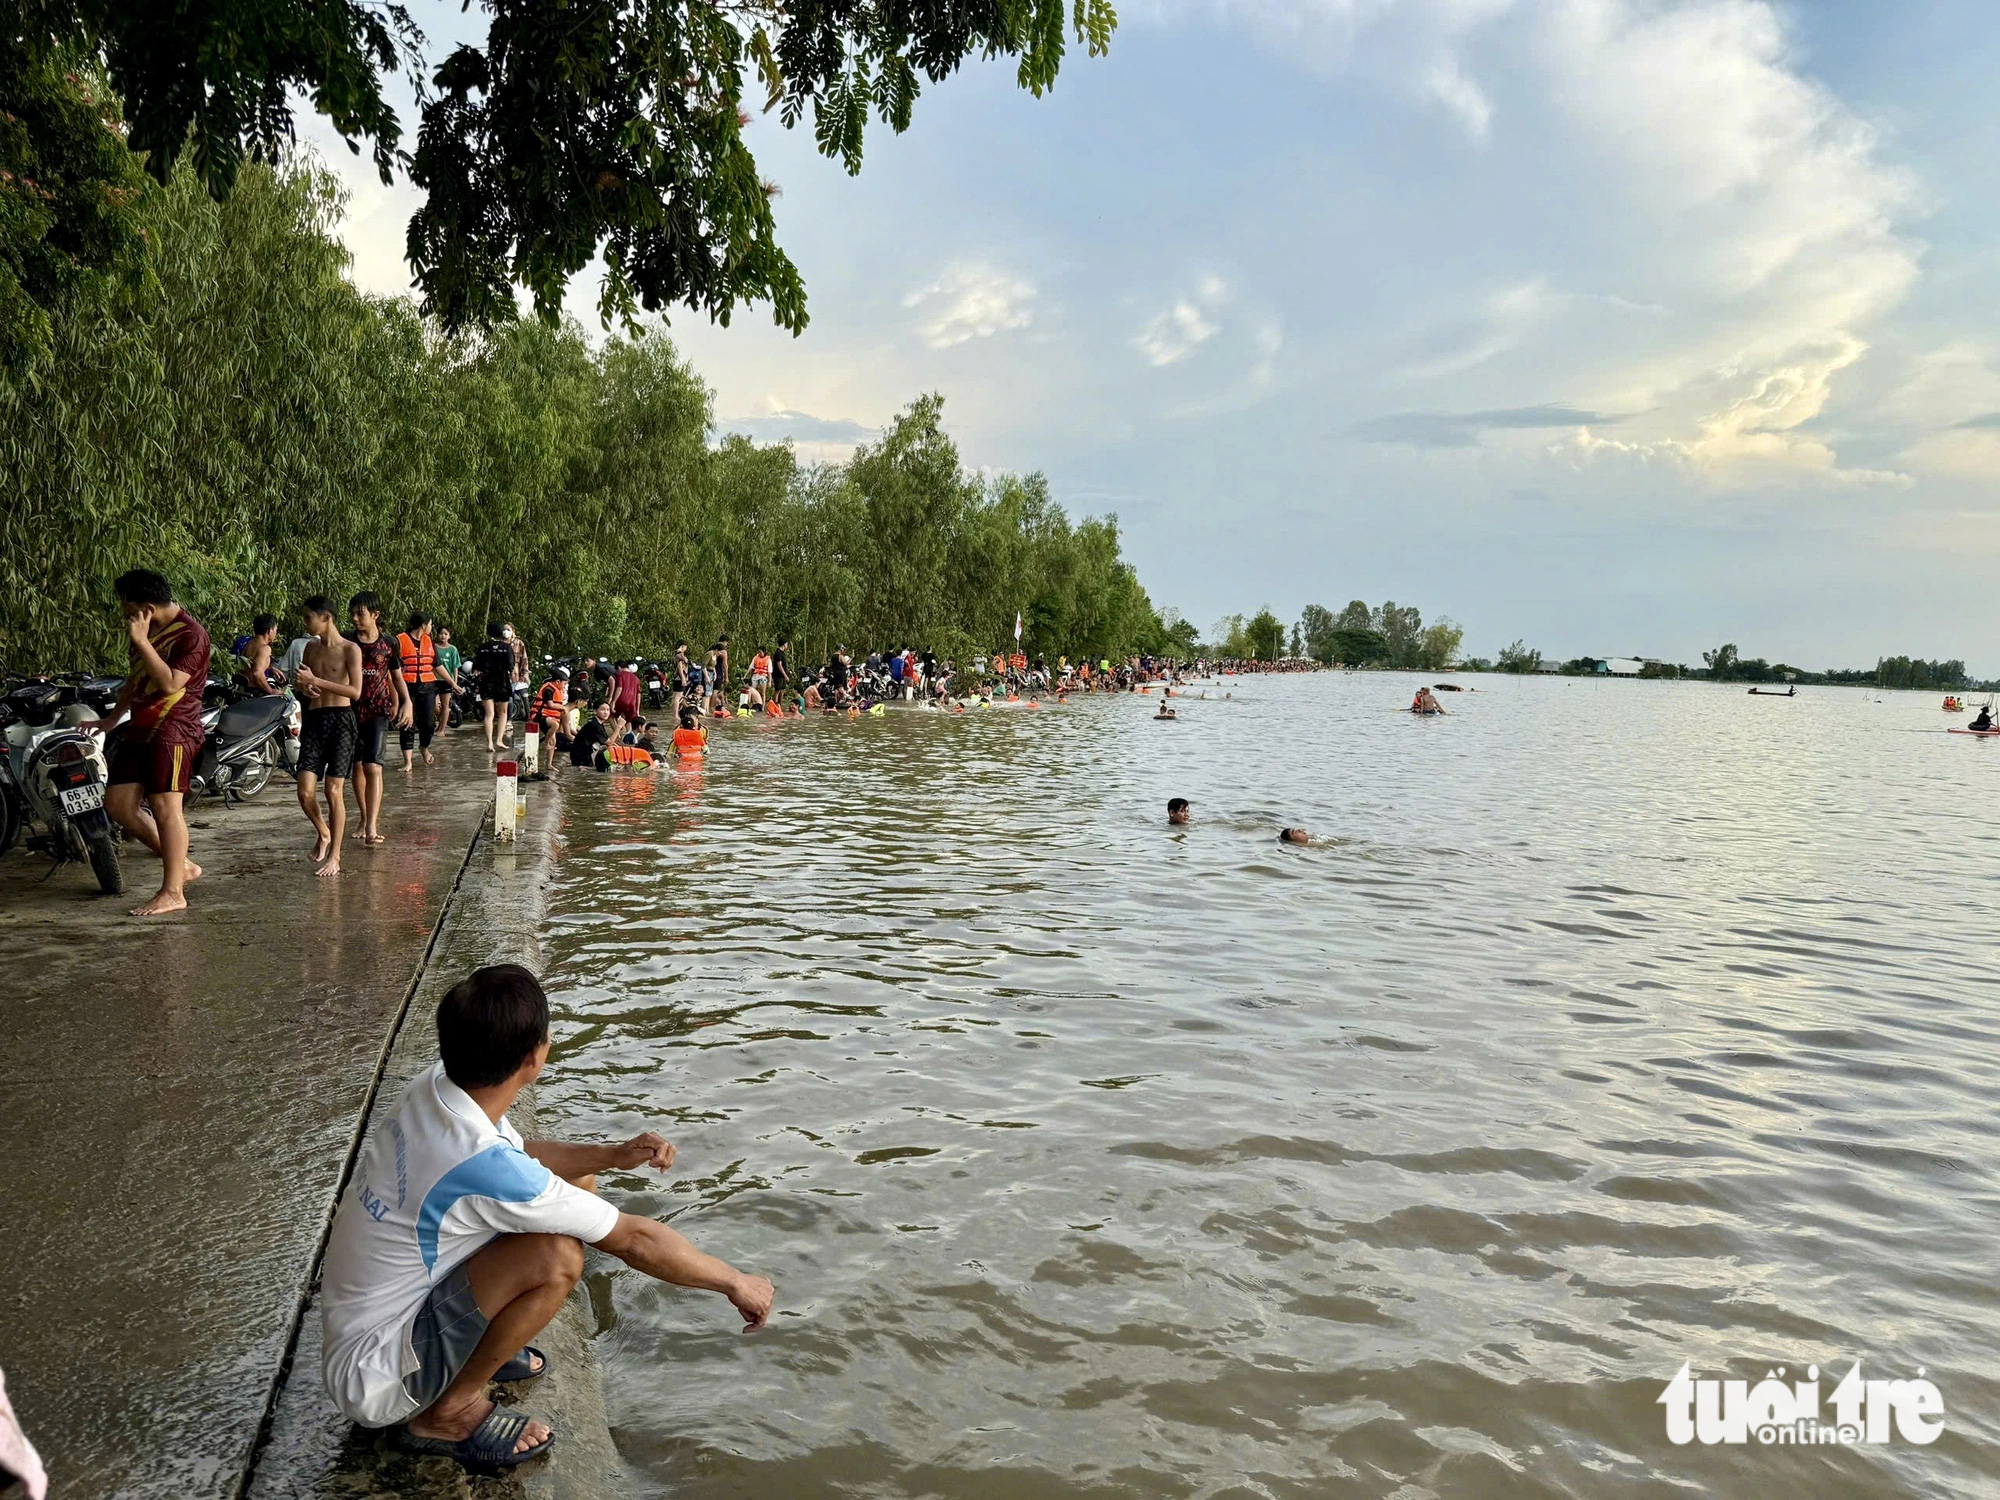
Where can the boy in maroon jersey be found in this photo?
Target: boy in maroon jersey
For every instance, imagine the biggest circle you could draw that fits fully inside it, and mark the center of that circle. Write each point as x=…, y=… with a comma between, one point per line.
x=154, y=756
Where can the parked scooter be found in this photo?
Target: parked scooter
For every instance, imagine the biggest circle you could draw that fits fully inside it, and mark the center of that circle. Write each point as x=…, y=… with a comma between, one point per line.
x=55, y=776
x=249, y=736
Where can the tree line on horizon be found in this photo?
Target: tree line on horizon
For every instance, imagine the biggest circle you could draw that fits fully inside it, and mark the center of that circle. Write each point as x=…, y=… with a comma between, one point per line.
x=254, y=427
x=1394, y=637
x=1388, y=635
x=1726, y=664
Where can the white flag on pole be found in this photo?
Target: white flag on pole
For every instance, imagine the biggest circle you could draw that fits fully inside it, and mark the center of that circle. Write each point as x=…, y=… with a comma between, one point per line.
x=1017, y=624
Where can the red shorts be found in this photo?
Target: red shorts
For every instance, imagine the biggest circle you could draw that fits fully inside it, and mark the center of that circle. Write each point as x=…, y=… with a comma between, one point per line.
x=157, y=768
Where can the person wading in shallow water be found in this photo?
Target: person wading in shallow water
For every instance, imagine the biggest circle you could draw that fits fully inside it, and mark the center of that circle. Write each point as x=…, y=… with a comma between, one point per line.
x=458, y=1242
x=150, y=764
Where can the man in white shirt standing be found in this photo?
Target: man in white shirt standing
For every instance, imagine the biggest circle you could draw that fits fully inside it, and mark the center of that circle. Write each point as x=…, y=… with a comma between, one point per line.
x=456, y=1241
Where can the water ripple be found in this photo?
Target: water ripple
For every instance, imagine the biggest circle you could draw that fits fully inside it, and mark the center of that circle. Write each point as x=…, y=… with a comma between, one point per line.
x=1602, y=1027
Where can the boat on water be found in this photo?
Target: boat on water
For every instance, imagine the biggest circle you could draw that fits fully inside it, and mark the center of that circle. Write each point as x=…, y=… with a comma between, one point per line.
x=1790, y=692
x=1954, y=705
x=1983, y=734
x=1446, y=687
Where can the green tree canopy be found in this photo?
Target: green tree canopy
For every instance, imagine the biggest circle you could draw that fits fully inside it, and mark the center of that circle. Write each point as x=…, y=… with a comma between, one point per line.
x=1437, y=646
x=1519, y=657
x=1266, y=635
x=576, y=128
x=1357, y=647
x=70, y=235
x=1316, y=627
x=258, y=430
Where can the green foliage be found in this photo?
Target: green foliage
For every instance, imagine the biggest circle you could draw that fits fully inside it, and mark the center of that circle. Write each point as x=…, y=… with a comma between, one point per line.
x=1401, y=626
x=1519, y=657
x=1357, y=647
x=1316, y=627
x=258, y=431
x=579, y=129
x=1915, y=672
x=70, y=236
x=1266, y=636
x=1437, y=646
x=1178, y=637
x=1392, y=636
x=1721, y=662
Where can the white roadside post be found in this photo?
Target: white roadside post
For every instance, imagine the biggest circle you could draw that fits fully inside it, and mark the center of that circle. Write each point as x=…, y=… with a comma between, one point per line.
x=506, y=800
x=531, y=751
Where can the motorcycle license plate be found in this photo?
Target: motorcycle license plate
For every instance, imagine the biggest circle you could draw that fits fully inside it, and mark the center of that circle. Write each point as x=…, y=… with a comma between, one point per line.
x=78, y=800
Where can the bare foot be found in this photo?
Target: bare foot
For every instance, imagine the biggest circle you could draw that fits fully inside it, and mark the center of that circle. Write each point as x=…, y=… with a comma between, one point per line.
x=191, y=872
x=457, y=1426
x=320, y=847
x=408, y=764
x=161, y=904
x=331, y=867
x=372, y=839
x=429, y=759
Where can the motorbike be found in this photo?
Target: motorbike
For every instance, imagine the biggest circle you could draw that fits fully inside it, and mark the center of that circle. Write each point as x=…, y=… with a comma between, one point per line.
x=659, y=686
x=464, y=700
x=55, y=775
x=248, y=737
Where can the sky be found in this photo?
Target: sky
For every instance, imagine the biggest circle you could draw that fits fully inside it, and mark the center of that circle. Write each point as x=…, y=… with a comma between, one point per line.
x=1622, y=327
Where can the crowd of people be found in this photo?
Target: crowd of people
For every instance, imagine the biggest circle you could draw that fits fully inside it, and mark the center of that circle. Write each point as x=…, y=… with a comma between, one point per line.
x=355, y=682
x=457, y=1241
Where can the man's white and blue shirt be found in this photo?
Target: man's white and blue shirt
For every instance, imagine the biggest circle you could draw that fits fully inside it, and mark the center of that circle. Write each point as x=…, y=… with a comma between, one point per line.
x=431, y=1190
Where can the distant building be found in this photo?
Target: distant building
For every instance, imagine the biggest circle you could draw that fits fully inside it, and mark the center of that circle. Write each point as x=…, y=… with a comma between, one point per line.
x=1621, y=666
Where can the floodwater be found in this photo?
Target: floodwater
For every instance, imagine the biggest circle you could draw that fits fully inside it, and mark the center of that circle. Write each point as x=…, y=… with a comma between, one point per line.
x=1603, y=1027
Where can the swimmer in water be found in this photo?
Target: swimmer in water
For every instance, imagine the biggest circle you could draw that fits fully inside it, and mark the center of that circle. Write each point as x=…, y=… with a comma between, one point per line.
x=1293, y=836
x=1165, y=713
x=1179, y=810
x=1426, y=702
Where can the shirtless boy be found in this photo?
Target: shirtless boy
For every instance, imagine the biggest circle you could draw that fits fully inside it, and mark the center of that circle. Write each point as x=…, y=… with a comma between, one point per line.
x=329, y=681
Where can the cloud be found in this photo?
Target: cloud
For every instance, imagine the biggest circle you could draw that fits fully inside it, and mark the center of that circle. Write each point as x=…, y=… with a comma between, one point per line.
x=1732, y=238
x=796, y=426
x=971, y=300
x=1416, y=47
x=1436, y=429
x=1185, y=326
x=1448, y=84
x=1175, y=334
x=1774, y=222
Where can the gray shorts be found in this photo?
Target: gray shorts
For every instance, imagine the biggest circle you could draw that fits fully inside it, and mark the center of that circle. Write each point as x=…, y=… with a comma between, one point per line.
x=449, y=1327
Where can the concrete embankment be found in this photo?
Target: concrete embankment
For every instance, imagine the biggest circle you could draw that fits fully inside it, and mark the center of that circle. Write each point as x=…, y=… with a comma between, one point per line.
x=179, y=1103
x=312, y=1452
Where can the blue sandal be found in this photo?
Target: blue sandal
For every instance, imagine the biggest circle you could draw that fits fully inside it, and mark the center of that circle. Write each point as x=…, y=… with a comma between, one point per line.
x=490, y=1445
x=522, y=1366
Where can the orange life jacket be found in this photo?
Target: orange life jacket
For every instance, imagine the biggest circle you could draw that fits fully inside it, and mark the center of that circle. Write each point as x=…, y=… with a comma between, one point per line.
x=627, y=755
x=554, y=695
x=419, y=657
x=690, y=741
